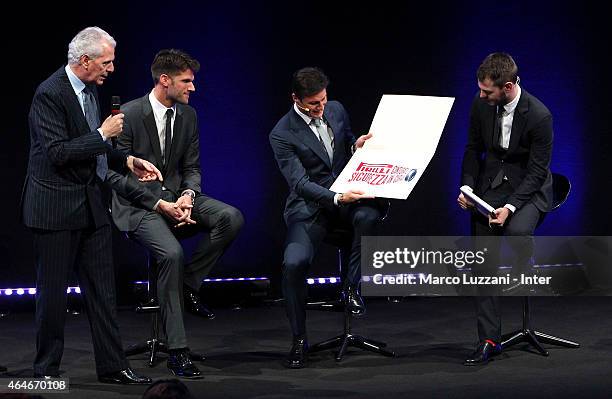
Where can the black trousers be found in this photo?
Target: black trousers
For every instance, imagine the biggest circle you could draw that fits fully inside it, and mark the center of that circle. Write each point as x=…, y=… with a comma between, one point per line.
x=303, y=240
x=518, y=230
x=58, y=254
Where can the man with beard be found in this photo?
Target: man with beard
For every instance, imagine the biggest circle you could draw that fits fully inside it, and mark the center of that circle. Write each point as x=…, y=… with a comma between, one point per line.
x=506, y=162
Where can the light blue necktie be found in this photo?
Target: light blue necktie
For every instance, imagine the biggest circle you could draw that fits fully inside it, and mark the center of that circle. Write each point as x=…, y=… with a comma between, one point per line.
x=324, y=137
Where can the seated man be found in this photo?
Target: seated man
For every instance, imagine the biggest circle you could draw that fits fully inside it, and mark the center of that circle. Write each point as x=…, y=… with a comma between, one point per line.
x=507, y=163
x=312, y=143
x=163, y=128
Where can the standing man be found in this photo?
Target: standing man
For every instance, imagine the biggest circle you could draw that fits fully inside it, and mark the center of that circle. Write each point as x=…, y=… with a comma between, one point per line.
x=163, y=128
x=506, y=162
x=63, y=206
x=312, y=143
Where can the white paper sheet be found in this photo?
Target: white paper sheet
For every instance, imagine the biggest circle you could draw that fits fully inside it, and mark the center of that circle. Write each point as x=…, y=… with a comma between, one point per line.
x=406, y=131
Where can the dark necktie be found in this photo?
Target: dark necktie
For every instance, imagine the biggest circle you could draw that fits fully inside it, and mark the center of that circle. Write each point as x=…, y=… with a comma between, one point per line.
x=497, y=132
x=497, y=137
x=324, y=137
x=168, y=136
x=93, y=120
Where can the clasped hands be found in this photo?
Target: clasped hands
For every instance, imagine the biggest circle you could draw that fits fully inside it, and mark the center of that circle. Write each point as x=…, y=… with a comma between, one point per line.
x=179, y=211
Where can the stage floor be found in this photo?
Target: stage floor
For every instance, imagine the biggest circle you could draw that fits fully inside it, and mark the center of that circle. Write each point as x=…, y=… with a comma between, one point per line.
x=244, y=350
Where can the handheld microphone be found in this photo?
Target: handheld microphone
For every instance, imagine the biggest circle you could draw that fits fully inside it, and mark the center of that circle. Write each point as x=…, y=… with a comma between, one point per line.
x=115, y=109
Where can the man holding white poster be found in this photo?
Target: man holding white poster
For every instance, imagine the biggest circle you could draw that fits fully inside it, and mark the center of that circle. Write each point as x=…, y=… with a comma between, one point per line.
x=312, y=143
x=506, y=163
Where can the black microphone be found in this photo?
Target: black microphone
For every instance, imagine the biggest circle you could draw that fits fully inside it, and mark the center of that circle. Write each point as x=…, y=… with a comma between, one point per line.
x=115, y=109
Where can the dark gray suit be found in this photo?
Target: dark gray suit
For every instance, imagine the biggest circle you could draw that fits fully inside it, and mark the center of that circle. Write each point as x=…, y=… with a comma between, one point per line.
x=62, y=204
x=528, y=187
x=310, y=211
x=133, y=203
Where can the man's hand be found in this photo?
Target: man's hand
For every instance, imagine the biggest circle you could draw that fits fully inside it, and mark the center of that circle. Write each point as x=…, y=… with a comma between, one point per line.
x=185, y=203
x=352, y=196
x=143, y=169
x=464, y=203
x=170, y=210
x=501, y=214
x=112, y=126
x=361, y=140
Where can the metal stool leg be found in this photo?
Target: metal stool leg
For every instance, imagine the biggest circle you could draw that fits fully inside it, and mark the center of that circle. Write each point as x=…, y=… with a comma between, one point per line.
x=534, y=338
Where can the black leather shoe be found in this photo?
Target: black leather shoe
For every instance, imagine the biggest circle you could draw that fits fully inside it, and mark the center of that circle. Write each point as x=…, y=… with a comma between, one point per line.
x=195, y=306
x=483, y=353
x=195, y=356
x=296, y=359
x=354, y=302
x=180, y=365
x=125, y=377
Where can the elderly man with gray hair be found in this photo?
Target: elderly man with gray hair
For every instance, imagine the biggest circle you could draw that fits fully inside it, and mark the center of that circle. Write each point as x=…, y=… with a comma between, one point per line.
x=63, y=205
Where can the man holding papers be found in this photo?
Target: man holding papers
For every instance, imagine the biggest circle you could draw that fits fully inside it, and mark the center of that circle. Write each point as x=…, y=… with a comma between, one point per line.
x=506, y=163
x=312, y=143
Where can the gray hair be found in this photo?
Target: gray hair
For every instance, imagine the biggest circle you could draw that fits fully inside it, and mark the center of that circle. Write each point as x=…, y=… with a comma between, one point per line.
x=88, y=41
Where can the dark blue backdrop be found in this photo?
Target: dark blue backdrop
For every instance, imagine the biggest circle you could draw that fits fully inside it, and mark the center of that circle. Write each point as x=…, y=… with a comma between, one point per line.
x=248, y=53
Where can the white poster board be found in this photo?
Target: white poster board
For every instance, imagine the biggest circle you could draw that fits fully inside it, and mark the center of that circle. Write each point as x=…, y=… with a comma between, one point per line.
x=406, y=131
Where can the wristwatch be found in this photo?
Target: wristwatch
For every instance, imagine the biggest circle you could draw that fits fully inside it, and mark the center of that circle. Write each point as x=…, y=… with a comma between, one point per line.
x=191, y=194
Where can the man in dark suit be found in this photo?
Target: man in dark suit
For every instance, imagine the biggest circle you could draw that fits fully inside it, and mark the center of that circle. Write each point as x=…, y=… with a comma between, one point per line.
x=163, y=128
x=63, y=206
x=312, y=143
x=506, y=162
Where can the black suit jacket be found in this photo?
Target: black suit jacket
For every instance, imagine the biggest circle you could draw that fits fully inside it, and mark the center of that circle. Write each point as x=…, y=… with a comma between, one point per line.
x=61, y=191
x=131, y=198
x=304, y=163
x=526, y=162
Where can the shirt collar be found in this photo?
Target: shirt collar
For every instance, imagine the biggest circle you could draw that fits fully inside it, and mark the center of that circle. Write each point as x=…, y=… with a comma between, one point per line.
x=77, y=84
x=159, y=109
x=307, y=118
x=511, y=106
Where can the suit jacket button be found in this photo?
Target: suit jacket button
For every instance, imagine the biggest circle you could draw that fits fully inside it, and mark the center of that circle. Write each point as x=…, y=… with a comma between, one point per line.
x=164, y=188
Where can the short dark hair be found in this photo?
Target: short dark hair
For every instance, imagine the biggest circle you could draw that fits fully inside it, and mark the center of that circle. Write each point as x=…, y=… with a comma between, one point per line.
x=167, y=389
x=172, y=62
x=308, y=81
x=499, y=67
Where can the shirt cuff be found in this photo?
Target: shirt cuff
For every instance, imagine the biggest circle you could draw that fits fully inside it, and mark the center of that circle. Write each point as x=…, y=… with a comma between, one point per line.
x=102, y=134
x=189, y=192
x=156, y=204
x=336, y=198
x=511, y=207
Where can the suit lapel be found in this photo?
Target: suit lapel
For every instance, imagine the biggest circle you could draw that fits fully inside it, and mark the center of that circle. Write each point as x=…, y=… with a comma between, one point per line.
x=519, y=121
x=149, y=122
x=72, y=102
x=304, y=134
x=490, y=126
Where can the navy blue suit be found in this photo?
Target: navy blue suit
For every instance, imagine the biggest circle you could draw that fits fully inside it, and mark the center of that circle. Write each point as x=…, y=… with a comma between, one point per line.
x=63, y=205
x=310, y=212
